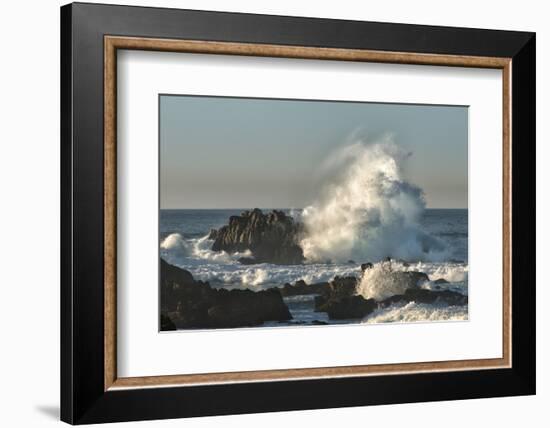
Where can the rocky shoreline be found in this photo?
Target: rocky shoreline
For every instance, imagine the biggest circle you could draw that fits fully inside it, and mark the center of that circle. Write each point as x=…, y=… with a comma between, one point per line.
x=187, y=303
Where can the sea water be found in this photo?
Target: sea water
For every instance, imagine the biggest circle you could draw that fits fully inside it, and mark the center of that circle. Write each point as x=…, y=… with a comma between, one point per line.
x=184, y=242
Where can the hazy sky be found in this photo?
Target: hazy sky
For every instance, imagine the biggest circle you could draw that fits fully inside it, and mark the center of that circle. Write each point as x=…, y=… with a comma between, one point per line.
x=243, y=153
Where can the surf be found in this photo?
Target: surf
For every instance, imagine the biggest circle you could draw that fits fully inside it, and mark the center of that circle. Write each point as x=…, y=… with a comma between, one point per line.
x=368, y=211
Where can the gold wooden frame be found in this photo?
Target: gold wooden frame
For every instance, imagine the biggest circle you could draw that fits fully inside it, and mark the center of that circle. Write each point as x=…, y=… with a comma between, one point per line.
x=113, y=43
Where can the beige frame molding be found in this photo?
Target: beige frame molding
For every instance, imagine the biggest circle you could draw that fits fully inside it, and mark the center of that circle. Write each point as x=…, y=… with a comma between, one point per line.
x=113, y=43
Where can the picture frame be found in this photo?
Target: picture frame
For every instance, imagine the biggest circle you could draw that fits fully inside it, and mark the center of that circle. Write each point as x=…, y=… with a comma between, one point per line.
x=91, y=390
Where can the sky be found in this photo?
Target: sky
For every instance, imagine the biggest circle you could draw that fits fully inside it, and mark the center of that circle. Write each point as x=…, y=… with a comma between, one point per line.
x=218, y=152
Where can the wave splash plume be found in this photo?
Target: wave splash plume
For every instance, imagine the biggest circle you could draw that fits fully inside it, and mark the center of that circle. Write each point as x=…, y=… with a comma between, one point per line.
x=370, y=212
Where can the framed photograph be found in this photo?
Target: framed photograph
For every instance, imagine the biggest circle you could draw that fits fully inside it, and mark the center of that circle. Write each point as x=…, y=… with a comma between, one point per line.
x=320, y=213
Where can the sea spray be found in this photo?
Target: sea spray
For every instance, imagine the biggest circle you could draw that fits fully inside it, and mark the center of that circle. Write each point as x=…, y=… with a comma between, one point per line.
x=176, y=249
x=389, y=278
x=381, y=282
x=175, y=241
x=417, y=312
x=369, y=212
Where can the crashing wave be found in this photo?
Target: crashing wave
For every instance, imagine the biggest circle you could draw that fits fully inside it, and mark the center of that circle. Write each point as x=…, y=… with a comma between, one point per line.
x=389, y=278
x=417, y=312
x=370, y=211
x=176, y=249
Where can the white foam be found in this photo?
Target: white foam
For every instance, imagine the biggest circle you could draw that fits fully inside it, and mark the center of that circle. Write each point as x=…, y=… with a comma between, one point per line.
x=381, y=282
x=176, y=250
x=369, y=211
x=417, y=312
x=267, y=275
x=176, y=243
x=223, y=269
x=452, y=272
x=383, y=279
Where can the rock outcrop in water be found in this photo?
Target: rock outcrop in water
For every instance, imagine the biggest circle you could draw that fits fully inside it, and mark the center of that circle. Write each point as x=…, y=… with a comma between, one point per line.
x=300, y=288
x=340, y=300
x=420, y=295
x=187, y=303
x=272, y=237
x=349, y=307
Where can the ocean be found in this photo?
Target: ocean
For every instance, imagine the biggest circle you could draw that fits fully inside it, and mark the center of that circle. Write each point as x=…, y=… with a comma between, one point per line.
x=184, y=243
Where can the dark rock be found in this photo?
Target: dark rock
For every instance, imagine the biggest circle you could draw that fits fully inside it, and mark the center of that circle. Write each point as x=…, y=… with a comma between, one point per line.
x=213, y=234
x=272, y=237
x=301, y=288
x=420, y=295
x=238, y=308
x=340, y=301
x=319, y=303
x=166, y=323
x=412, y=278
x=441, y=281
x=349, y=307
x=175, y=284
x=351, y=262
x=342, y=286
x=318, y=322
x=195, y=304
x=398, y=298
x=365, y=266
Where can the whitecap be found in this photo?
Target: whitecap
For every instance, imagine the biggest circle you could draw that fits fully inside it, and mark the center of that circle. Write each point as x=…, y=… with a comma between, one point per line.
x=417, y=312
x=369, y=211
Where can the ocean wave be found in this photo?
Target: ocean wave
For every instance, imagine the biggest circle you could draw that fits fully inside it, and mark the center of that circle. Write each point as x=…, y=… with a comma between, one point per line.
x=177, y=244
x=224, y=269
x=369, y=211
x=175, y=249
x=268, y=275
x=449, y=271
x=384, y=279
x=417, y=312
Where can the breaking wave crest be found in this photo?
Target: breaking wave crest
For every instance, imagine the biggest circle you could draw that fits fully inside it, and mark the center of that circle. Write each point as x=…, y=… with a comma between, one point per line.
x=417, y=312
x=176, y=249
x=386, y=279
x=370, y=211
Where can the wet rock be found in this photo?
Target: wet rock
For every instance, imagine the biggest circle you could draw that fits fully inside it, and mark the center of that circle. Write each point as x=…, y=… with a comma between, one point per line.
x=340, y=301
x=441, y=281
x=301, y=288
x=166, y=323
x=342, y=286
x=271, y=237
x=195, y=304
x=237, y=308
x=319, y=302
x=213, y=234
x=365, y=266
x=349, y=307
x=420, y=295
x=414, y=277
